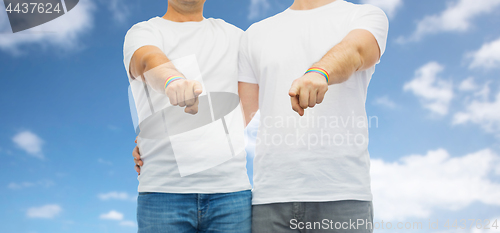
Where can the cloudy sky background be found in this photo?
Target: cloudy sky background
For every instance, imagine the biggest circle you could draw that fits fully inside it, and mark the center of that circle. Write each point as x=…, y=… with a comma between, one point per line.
x=66, y=134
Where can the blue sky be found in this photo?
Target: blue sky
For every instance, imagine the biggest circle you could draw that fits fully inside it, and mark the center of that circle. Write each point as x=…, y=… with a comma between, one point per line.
x=66, y=135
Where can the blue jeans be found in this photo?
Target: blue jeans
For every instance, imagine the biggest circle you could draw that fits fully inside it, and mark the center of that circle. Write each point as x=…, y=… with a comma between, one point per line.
x=203, y=213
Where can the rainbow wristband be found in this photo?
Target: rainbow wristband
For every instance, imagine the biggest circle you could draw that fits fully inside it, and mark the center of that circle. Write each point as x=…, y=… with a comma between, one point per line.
x=171, y=79
x=319, y=71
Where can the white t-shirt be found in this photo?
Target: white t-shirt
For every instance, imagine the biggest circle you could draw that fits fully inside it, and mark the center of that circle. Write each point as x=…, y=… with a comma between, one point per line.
x=322, y=156
x=206, y=51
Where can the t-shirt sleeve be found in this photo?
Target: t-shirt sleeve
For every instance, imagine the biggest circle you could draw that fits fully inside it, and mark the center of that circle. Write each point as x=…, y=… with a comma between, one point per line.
x=139, y=35
x=245, y=66
x=374, y=20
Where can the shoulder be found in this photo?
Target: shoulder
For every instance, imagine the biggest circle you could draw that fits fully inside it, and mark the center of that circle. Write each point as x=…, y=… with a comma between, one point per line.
x=144, y=25
x=266, y=24
x=363, y=9
x=225, y=25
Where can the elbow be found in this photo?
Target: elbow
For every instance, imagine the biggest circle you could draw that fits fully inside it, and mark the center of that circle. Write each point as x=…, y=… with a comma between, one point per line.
x=359, y=59
x=148, y=59
x=367, y=57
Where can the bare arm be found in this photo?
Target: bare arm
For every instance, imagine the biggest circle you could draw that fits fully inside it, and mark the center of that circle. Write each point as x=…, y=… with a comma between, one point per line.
x=147, y=58
x=249, y=96
x=151, y=65
x=358, y=51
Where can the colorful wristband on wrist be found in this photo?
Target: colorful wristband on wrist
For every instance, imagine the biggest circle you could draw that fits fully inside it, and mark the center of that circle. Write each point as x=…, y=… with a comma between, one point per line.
x=319, y=71
x=171, y=79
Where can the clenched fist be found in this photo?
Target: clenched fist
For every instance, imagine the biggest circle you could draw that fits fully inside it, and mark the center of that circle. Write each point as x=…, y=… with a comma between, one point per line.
x=184, y=93
x=307, y=91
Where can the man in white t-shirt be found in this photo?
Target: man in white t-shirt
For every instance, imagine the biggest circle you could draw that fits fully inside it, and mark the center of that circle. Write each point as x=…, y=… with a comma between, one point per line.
x=307, y=70
x=183, y=73
x=311, y=168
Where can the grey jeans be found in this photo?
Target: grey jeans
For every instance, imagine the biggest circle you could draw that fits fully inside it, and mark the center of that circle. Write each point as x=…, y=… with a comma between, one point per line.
x=336, y=216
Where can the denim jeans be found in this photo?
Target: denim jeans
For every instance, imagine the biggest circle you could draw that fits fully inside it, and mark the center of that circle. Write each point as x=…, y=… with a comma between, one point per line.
x=348, y=216
x=186, y=213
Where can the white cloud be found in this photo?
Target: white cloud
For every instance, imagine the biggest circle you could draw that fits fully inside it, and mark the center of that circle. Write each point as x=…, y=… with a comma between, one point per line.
x=62, y=32
x=115, y=196
x=119, y=9
x=251, y=134
x=434, y=92
x=113, y=128
x=112, y=215
x=30, y=143
x=484, y=93
x=258, y=8
x=128, y=223
x=117, y=216
x=457, y=17
x=100, y=160
x=493, y=227
x=385, y=101
x=482, y=112
x=46, y=211
x=389, y=6
x=416, y=185
x=468, y=84
x=22, y=185
x=487, y=57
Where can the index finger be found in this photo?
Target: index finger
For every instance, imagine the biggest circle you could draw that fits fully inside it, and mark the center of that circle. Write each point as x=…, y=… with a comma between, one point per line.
x=197, y=89
x=294, y=90
x=295, y=103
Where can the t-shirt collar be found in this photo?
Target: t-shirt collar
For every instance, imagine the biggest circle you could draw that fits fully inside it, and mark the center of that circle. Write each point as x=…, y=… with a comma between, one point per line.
x=189, y=23
x=315, y=9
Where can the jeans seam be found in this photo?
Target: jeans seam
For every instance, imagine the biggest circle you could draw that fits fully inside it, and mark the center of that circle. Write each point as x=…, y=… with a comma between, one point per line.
x=198, y=210
x=370, y=207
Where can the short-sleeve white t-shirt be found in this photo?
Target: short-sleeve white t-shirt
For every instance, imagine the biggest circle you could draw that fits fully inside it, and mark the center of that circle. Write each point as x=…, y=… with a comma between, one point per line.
x=212, y=47
x=322, y=156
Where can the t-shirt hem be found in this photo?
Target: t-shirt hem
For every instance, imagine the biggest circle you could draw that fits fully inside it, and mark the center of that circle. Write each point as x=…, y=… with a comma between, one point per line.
x=272, y=200
x=247, y=80
x=191, y=190
x=128, y=57
x=379, y=40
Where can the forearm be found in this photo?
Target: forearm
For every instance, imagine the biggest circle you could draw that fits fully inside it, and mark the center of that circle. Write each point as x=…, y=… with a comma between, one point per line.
x=151, y=65
x=358, y=51
x=340, y=62
x=249, y=97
